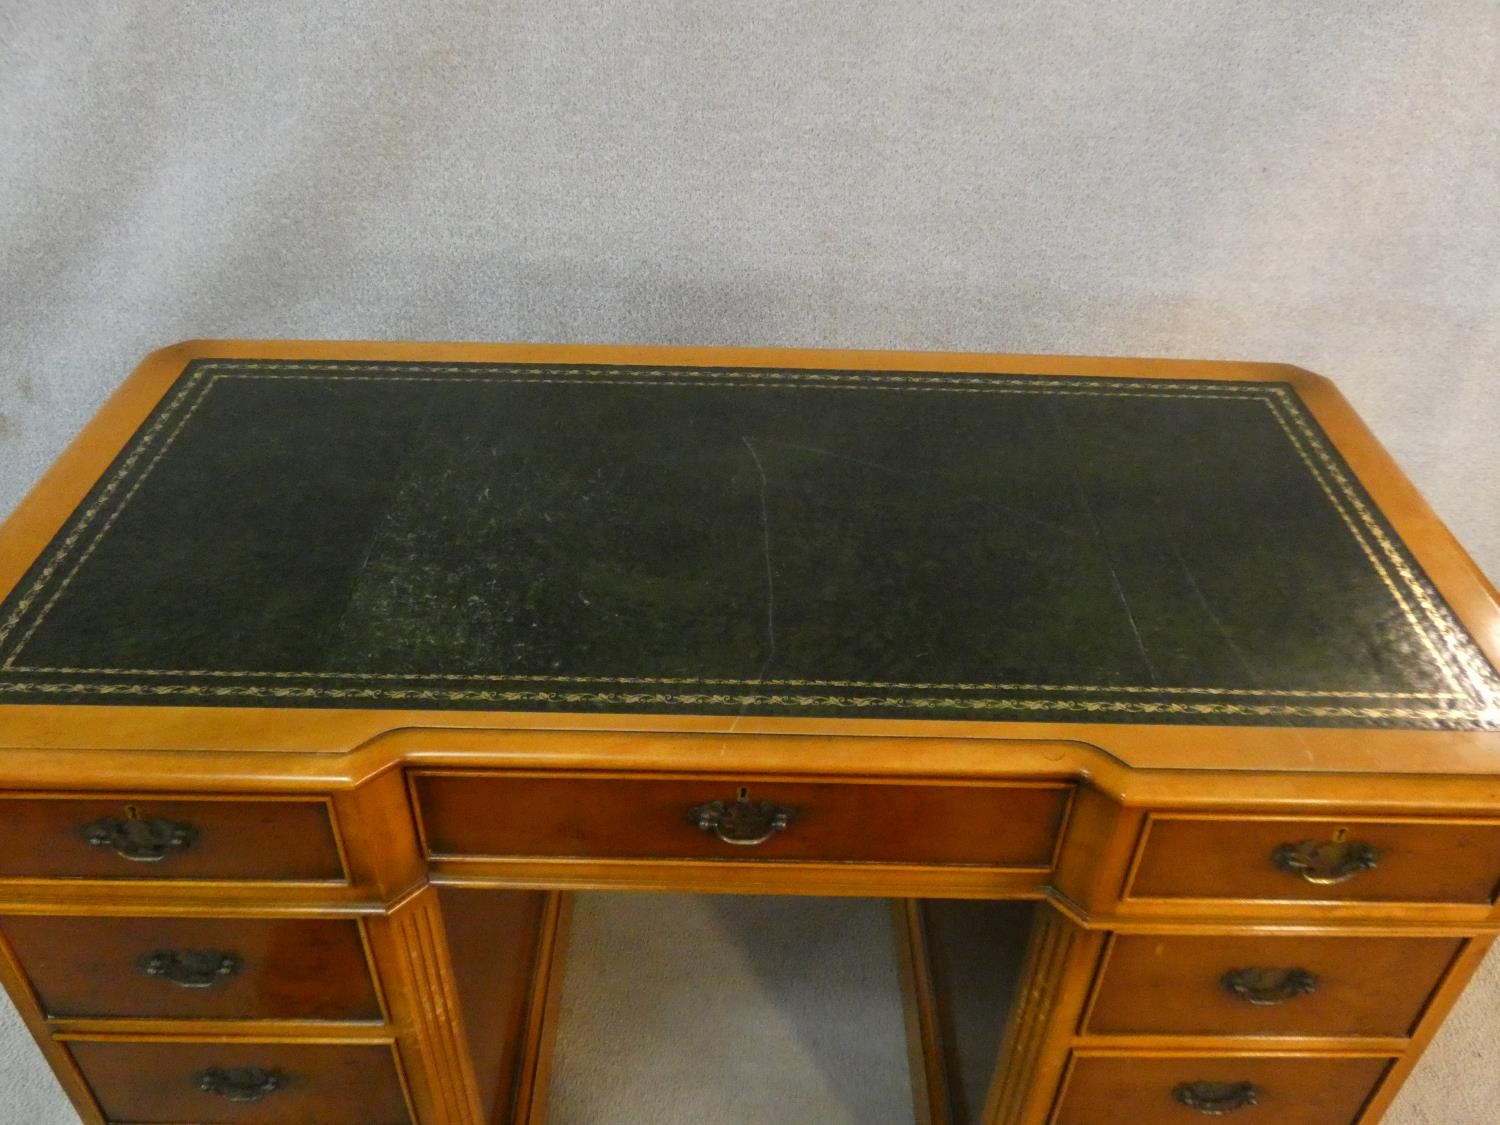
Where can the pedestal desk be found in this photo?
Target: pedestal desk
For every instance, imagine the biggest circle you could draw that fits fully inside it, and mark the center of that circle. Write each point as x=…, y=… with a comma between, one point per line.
x=332, y=672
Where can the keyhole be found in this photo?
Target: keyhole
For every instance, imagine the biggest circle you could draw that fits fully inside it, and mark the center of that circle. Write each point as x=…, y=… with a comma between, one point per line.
x=1340, y=836
x=744, y=794
x=132, y=812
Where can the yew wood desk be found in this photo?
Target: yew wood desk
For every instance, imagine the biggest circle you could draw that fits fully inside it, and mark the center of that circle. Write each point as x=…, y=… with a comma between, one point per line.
x=329, y=672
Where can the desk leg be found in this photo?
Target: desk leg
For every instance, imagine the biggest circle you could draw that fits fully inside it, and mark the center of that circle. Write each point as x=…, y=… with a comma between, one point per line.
x=1060, y=963
x=534, y=1079
x=479, y=1031
x=416, y=972
x=472, y=976
x=932, y=1100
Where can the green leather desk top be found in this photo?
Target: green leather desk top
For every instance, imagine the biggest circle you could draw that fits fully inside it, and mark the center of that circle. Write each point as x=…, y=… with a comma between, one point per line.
x=773, y=542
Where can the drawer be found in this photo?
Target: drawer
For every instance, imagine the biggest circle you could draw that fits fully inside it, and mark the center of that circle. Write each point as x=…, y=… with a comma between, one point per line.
x=490, y=815
x=1360, y=860
x=1294, y=985
x=1287, y=1090
x=134, y=837
x=286, y=1083
x=195, y=968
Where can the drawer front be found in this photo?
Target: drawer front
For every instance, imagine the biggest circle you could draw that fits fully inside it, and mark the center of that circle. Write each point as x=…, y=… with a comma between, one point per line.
x=195, y=968
x=1106, y=1090
x=526, y=815
x=1296, y=985
x=130, y=837
x=1354, y=860
x=286, y=1083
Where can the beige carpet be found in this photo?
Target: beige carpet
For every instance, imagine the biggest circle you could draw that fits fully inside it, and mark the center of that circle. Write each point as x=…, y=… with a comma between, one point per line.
x=681, y=1010
x=1300, y=180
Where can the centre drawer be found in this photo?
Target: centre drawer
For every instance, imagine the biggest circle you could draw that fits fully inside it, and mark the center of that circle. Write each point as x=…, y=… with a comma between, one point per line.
x=195, y=968
x=481, y=815
x=1154, y=984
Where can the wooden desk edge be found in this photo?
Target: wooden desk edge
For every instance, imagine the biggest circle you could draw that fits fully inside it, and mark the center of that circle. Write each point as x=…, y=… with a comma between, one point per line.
x=1144, y=746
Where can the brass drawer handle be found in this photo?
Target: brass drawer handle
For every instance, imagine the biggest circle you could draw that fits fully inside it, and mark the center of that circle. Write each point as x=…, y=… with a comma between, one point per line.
x=742, y=822
x=144, y=840
x=1268, y=987
x=1215, y=1099
x=240, y=1083
x=191, y=968
x=1333, y=861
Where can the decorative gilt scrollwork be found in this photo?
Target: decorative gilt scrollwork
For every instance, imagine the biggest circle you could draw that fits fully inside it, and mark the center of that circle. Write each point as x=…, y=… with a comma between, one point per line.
x=191, y=968
x=1328, y=862
x=1268, y=987
x=742, y=822
x=1215, y=1099
x=240, y=1083
x=143, y=840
